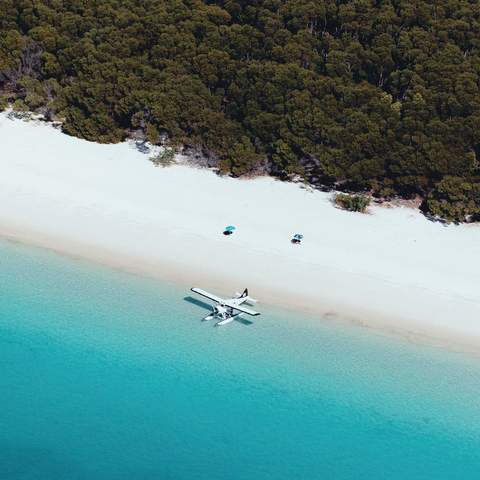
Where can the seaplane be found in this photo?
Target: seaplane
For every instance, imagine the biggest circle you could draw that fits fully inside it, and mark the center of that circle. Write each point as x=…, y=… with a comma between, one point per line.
x=226, y=310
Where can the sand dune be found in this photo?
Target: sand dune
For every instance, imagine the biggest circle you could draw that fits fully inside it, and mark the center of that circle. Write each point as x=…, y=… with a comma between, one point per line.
x=391, y=268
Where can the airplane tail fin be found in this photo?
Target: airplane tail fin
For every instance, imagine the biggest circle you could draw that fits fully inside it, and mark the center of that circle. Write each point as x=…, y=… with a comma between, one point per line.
x=246, y=298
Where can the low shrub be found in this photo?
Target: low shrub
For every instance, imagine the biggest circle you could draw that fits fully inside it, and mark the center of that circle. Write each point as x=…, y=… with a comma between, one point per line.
x=165, y=158
x=352, y=203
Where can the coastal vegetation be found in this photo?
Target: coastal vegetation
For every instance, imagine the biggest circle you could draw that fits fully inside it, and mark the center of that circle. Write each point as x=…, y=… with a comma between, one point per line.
x=164, y=158
x=353, y=203
x=378, y=97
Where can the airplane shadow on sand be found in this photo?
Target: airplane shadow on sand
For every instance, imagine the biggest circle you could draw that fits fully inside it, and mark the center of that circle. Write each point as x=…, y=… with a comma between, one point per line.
x=208, y=307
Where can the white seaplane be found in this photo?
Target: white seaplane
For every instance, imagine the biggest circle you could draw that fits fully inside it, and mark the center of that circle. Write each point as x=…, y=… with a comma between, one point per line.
x=227, y=309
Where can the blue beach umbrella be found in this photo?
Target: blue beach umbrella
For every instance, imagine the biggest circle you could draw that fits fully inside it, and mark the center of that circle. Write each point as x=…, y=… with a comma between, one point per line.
x=230, y=228
x=298, y=236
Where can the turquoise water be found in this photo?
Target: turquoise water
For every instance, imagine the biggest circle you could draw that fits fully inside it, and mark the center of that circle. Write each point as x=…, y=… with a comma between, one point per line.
x=104, y=375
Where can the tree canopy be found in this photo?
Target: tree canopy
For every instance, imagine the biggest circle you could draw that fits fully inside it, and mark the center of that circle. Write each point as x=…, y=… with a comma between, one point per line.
x=380, y=96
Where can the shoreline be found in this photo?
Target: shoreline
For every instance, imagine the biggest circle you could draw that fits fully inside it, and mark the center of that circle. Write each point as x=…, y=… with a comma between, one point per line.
x=392, y=270
x=380, y=324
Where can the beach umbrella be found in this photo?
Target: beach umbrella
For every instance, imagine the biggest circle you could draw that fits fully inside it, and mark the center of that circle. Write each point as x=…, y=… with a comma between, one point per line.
x=298, y=236
x=230, y=228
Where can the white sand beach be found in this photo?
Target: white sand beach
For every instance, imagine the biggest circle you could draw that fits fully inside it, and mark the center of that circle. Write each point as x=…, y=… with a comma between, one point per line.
x=391, y=268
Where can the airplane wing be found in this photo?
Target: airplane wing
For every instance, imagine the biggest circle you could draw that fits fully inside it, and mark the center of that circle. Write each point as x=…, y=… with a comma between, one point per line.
x=203, y=293
x=240, y=309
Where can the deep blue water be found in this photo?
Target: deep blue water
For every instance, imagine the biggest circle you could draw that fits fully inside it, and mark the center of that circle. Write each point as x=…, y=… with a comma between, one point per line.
x=104, y=375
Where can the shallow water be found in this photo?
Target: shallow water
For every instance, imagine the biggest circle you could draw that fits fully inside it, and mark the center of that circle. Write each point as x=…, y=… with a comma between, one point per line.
x=105, y=375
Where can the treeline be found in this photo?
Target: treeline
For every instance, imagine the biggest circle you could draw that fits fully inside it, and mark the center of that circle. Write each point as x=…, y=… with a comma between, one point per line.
x=380, y=96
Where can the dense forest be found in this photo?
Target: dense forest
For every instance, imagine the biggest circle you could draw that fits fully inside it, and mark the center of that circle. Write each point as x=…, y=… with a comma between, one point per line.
x=378, y=96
